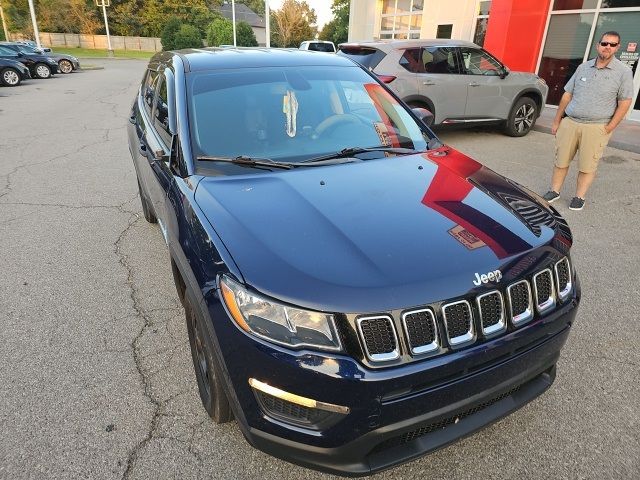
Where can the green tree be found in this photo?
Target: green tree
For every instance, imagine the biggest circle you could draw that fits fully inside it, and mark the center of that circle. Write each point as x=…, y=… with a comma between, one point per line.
x=125, y=19
x=187, y=37
x=337, y=30
x=220, y=32
x=168, y=36
x=156, y=13
x=296, y=22
x=245, y=36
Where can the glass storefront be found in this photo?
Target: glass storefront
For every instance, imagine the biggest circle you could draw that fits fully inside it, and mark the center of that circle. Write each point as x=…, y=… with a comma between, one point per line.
x=563, y=51
x=575, y=27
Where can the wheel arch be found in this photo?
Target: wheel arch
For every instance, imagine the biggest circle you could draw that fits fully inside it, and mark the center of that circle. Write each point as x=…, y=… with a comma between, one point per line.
x=533, y=94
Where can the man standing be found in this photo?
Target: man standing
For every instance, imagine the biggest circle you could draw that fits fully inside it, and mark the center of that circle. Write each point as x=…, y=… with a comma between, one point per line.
x=596, y=99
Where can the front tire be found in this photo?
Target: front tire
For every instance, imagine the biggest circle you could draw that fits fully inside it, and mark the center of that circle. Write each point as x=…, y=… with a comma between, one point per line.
x=147, y=211
x=214, y=399
x=42, y=70
x=10, y=77
x=522, y=117
x=65, y=66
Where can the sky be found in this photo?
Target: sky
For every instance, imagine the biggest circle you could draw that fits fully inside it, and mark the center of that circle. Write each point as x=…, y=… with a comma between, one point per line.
x=322, y=8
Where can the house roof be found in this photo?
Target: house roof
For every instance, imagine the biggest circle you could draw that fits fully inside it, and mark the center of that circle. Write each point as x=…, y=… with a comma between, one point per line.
x=243, y=14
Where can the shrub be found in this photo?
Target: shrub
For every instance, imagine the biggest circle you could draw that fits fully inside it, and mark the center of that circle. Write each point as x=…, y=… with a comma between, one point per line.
x=168, y=36
x=188, y=37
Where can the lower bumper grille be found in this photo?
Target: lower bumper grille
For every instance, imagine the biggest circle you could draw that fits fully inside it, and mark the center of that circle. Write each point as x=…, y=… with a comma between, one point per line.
x=439, y=425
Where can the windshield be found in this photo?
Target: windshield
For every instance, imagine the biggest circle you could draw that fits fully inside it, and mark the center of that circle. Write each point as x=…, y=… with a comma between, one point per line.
x=295, y=113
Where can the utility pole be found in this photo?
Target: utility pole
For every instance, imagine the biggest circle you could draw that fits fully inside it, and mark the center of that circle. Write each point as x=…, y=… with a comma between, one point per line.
x=267, y=19
x=104, y=4
x=4, y=24
x=36, y=33
x=233, y=19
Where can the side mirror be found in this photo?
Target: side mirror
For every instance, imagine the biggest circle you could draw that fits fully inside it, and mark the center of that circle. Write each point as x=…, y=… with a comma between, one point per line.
x=424, y=115
x=504, y=71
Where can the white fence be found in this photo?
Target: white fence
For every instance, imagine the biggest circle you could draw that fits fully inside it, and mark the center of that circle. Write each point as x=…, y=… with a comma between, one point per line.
x=99, y=42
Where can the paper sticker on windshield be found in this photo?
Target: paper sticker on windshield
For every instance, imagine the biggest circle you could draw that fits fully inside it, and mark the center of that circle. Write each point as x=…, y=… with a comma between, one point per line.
x=383, y=133
x=466, y=238
x=290, y=110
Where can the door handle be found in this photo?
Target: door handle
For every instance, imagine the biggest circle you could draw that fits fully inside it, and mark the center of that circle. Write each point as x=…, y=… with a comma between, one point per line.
x=474, y=84
x=429, y=82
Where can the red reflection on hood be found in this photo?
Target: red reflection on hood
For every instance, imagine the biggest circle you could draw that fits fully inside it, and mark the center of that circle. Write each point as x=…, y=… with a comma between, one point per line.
x=447, y=192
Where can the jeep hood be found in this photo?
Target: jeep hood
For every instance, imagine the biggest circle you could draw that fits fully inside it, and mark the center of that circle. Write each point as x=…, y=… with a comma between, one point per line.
x=378, y=234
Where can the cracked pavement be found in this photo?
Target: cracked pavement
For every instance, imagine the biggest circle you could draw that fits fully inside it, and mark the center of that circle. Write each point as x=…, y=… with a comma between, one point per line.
x=96, y=379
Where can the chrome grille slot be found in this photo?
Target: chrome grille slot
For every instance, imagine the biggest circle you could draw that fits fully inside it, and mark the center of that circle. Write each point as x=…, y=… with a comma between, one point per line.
x=458, y=322
x=491, y=308
x=545, y=295
x=520, y=302
x=421, y=331
x=563, y=278
x=379, y=338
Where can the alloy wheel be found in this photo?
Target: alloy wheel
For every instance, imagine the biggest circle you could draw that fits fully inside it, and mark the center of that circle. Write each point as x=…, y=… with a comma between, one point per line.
x=65, y=66
x=42, y=71
x=10, y=77
x=524, y=118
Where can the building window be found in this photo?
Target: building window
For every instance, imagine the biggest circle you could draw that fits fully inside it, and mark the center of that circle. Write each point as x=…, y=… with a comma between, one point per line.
x=444, y=31
x=482, y=19
x=401, y=19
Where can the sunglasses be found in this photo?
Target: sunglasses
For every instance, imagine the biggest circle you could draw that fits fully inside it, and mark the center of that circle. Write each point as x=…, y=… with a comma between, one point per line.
x=609, y=44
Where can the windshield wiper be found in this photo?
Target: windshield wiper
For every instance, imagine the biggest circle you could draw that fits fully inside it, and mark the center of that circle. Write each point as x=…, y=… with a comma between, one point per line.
x=350, y=152
x=248, y=161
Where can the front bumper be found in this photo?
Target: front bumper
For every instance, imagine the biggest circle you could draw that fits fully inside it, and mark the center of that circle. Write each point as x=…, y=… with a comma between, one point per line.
x=397, y=413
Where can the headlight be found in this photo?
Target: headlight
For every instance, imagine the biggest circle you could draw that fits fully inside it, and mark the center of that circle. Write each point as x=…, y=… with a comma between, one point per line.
x=541, y=81
x=289, y=326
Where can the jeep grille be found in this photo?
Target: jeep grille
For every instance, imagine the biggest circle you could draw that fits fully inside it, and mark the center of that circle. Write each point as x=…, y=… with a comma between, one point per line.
x=420, y=328
x=380, y=341
x=458, y=322
x=544, y=293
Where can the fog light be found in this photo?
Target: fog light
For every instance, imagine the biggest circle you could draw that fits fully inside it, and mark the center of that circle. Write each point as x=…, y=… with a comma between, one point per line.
x=295, y=409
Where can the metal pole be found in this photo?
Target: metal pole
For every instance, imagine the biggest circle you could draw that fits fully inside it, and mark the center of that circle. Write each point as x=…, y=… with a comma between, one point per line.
x=268, y=24
x=106, y=26
x=4, y=24
x=233, y=19
x=35, y=24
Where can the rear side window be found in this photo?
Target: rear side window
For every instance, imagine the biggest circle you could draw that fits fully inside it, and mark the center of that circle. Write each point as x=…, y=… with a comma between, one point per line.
x=440, y=60
x=366, y=56
x=411, y=60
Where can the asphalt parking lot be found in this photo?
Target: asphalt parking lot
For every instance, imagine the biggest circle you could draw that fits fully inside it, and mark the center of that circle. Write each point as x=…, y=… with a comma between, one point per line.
x=96, y=379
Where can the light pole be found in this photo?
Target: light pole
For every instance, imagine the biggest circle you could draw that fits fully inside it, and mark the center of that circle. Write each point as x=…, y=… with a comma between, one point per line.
x=104, y=4
x=233, y=19
x=35, y=24
x=4, y=24
x=268, y=24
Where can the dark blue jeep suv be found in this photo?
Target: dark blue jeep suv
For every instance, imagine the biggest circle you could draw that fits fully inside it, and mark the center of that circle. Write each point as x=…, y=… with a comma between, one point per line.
x=356, y=293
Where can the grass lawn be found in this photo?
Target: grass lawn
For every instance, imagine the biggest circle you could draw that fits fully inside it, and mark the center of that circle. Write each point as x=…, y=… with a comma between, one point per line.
x=91, y=53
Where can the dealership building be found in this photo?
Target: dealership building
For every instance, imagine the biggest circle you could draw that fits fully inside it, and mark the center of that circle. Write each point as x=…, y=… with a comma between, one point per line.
x=548, y=37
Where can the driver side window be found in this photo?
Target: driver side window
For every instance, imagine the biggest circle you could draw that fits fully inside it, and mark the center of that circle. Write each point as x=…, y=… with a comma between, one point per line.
x=478, y=62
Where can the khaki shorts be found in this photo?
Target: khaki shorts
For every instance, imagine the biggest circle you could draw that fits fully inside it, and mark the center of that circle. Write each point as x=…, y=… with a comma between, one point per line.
x=589, y=138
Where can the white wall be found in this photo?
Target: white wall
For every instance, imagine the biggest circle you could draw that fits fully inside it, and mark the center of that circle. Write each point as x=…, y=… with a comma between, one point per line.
x=364, y=18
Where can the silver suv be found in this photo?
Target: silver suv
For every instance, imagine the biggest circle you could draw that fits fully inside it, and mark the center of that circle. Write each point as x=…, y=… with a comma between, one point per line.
x=459, y=82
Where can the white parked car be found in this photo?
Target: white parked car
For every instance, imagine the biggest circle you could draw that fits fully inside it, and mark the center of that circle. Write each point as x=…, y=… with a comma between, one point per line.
x=318, y=46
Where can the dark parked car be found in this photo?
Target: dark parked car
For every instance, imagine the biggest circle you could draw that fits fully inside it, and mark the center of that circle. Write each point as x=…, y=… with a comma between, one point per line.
x=12, y=72
x=66, y=63
x=356, y=293
x=40, y=66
